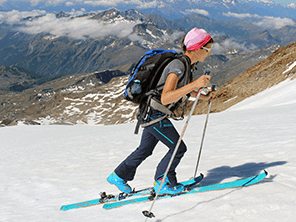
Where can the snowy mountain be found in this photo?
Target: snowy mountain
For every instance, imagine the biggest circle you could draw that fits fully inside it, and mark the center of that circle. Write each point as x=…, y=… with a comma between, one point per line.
x=83, y=99
x=220, y=9
x=171, y=9
x=215, y=9
x=52, y=44
x=76, y=42
x=44, y=167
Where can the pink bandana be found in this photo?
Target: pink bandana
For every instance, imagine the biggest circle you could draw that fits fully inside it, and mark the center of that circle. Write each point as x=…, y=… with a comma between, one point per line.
x=196, y=38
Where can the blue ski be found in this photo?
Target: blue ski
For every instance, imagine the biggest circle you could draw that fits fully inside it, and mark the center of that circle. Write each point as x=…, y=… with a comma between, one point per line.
x=219, y=186
x=114, y=198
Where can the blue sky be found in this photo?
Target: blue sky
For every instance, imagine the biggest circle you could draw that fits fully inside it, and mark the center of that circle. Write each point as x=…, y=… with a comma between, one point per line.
x=285, y=1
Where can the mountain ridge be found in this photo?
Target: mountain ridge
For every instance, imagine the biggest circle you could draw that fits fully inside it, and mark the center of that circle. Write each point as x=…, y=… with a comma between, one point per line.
x=83, y=99
x=64, y=52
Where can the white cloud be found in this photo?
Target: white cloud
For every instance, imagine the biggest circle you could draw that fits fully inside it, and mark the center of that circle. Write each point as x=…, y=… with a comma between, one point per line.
x=138, y=3
x=101, y=3
x=73, y=26
x=197, y=11
x=15, y=16
x=51, y=2
x=143, y=5
x=292, y=5
x=230, y=45
x=111, y=3
x=275, y=22
x=136, y=38
x=77, y=28
x=70, y=3
x=264, y=21
x=35, y=2
x=175, y=35
x=241, y=16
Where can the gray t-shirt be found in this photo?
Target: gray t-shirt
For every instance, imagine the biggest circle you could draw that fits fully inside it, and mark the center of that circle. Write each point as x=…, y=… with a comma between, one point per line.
x=177, y=67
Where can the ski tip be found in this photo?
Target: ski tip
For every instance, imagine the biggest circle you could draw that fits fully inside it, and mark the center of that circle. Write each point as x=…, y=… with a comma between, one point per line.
x=64, y=208
x=266, y=173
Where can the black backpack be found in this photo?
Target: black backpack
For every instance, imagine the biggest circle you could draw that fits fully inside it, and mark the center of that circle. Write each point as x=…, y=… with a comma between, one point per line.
x=143, y=80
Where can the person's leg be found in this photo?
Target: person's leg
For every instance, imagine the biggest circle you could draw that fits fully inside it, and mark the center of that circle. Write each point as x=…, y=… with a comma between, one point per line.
x=166, y=133
x=127, y=169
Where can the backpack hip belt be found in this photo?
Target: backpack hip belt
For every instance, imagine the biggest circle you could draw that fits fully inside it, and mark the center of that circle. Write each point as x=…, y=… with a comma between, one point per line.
x=154, y=104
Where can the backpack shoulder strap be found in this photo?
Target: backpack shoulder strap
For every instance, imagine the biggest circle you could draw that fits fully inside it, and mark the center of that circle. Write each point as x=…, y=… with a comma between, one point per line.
x=188, y=74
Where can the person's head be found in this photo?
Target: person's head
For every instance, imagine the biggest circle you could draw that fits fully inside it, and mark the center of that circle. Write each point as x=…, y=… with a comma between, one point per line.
x=197, y=44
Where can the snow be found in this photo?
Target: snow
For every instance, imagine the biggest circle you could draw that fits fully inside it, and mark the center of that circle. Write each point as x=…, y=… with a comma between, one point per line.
x=44, y=167
x=290, y=67
x=279, y=95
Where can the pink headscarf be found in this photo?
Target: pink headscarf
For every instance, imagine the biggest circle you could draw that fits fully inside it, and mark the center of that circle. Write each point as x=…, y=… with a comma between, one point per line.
x=196, y=38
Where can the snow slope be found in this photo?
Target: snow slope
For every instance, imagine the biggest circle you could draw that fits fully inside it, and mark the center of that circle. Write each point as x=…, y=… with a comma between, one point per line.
x=44, y=167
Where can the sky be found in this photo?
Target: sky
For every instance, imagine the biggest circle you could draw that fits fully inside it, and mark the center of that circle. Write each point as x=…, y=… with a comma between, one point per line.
x=285, y=1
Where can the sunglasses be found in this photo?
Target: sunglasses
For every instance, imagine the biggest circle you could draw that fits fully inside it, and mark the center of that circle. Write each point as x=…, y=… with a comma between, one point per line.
x=208, y=50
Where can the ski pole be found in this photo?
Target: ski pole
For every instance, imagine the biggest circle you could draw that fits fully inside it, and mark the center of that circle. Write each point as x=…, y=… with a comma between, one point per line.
x=149, y=214
x=204, y=132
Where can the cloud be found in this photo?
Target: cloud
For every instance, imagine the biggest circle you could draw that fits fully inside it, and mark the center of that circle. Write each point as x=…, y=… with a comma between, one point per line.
x=137, y=3
x=144, y=5
x=264, y=21
x=275, y=22
x=197, y=11
x=51, y=2
x=136, y=38
x=102, y=3
x=241, y=16
x=77, y=28
x=230, y=45
x=175, y=35
x=16, y=17
x=140, y=4
x=37, y=2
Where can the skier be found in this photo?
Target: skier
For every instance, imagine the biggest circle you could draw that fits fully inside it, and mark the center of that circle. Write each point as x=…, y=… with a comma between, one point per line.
x=196, y=45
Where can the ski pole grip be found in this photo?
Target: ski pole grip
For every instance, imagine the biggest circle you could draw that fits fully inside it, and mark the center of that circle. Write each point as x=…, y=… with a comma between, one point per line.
x=207, y=72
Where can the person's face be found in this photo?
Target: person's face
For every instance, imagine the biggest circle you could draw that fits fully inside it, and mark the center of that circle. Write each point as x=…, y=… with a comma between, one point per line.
x=204, y=52
x=200, y=54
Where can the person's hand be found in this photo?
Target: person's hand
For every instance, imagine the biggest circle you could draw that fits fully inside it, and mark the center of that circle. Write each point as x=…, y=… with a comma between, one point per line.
x=202, y=81
x=212, y=94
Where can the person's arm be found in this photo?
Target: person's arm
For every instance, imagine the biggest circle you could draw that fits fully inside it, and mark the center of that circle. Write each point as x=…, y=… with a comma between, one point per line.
x=170, y=94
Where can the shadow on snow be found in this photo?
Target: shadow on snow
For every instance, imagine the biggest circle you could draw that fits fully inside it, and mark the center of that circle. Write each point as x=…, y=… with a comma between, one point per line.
x=217, y=175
